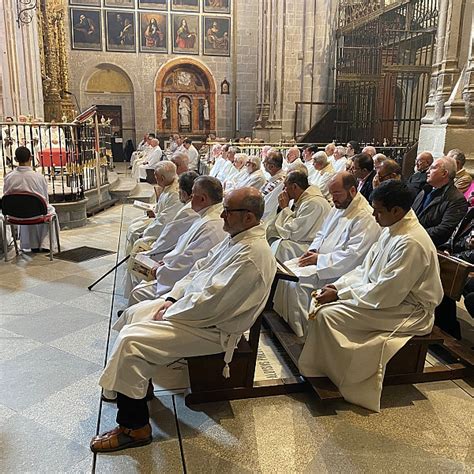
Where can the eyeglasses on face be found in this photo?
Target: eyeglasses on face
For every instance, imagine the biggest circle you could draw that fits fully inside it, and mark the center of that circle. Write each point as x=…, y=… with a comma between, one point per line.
x=227, y=211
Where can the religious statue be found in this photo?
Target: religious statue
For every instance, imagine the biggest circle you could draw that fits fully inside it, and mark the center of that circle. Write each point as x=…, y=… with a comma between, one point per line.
x=164, y=110
x=206, y=110
x=184, y=113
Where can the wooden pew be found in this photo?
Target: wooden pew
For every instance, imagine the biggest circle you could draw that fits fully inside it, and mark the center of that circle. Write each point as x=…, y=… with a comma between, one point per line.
x=407, y=366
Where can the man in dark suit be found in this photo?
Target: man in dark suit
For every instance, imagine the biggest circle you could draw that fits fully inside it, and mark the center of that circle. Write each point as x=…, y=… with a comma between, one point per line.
x=417, y=180
x=440, y=206
x=363, y=170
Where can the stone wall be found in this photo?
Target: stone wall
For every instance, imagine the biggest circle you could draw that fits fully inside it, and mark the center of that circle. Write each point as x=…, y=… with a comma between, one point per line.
x=240, y=69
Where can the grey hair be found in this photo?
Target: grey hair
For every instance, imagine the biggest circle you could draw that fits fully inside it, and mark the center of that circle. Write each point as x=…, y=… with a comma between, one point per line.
x=379, y=158
x=369, y=150
x=255, y=204
x=256, y=160
x=449, y=164
x=180, y=156
x=167, y=169
x=239, y=157
x=458, y=155
x=298, y=167
x=341, y=149
x=233, y=149
x=320, y=158
x=210, y=186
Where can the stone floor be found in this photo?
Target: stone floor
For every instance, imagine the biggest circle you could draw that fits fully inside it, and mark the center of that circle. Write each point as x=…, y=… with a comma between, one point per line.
x=54, y=341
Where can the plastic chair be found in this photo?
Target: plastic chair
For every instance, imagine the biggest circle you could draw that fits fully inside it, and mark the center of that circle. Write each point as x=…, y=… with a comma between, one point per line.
x=27, y=209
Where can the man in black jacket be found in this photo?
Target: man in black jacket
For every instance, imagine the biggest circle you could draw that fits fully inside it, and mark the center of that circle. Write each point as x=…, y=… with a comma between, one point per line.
x=363, y=170
x=440, y=206
x=417, y=181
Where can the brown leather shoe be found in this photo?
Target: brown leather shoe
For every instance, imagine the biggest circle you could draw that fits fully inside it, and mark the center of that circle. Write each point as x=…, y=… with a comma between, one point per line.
x=121, y=438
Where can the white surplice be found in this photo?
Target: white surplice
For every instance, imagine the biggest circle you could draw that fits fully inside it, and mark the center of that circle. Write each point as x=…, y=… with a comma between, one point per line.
x=321, y=179
x=166, y=208
x=195, y=244
x=253, y=180
x=216, y=303
x=24, y=179
x=340, y=164
x=218, y=163
x=193, y=156
x=224, y=171
x=152, y=162
x=291, y=232
x=165, y=243
x=311, y=169
x=342, y=243
x=382, y=303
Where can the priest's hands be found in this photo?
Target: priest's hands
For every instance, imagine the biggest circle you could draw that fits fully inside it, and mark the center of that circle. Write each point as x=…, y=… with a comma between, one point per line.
x=155, y=268
x=283, y=200
x=158, y=316
x=328, y=294
x=308, y=258
x=150, y=214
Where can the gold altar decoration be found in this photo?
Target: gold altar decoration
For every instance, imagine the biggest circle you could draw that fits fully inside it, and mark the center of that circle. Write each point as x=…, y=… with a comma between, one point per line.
x=54, y=65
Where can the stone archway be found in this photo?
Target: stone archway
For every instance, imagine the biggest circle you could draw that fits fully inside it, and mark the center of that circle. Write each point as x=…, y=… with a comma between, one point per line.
x=185, y=94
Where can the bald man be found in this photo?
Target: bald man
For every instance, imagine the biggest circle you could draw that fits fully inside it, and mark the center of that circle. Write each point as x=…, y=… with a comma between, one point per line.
x=389, y=169
x=205, y=313
x=417, y=180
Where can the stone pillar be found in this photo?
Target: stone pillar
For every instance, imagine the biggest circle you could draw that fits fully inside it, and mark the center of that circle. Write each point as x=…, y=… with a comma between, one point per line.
x=20, y=70
x=295, y=59
x=448, y=121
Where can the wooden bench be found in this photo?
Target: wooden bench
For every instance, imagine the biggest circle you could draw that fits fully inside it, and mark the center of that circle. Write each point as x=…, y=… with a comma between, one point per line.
x=407, y=366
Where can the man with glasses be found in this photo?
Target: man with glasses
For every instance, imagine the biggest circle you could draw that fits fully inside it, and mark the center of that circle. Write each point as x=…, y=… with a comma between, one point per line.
x=206, y=312
x=389, y=169
x=363, y=170
x=254, y=177
x=417, y=180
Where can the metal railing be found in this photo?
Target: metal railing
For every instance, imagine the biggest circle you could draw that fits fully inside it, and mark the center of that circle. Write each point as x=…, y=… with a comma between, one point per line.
x=74, y=157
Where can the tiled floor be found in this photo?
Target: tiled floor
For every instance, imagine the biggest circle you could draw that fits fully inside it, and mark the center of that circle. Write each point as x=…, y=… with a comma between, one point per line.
x=54, y=337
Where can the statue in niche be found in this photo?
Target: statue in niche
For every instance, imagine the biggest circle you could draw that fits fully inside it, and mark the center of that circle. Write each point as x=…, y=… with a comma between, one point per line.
x=206, y=110
x=164, y=109
x=184, y=111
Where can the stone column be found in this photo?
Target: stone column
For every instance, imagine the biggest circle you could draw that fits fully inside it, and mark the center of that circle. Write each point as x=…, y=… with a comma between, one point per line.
x=20, y=70
x=448, y=121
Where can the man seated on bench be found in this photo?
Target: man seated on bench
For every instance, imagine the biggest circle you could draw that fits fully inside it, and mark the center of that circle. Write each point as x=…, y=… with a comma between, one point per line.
x=370, y=313
x=205, y=313
x=341, y=244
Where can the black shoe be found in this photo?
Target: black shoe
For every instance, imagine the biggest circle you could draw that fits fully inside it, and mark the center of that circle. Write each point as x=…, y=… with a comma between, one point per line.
x=120, y=312
x=36, y=250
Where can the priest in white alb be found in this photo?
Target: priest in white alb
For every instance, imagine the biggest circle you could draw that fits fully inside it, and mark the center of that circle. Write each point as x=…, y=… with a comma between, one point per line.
x=323, y=174
x=204, y=233
x=341, y=244
x=293, y=229
x=156, y=249
x=166, y=208
x=370, y=313
x=205, y=313
x=273, y=164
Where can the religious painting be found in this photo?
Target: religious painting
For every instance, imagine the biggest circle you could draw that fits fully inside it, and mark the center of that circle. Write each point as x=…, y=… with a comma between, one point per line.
x=153, y=33
x=120, y=3
x=217, y=6
x=85, y=29
x=88, y=3
x=120, y=31
x=153, y=4
x=185, y=5
x=185, y=34
x=216, y=36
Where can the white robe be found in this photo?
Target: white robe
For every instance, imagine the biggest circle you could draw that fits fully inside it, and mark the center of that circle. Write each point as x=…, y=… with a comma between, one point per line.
x=193, y=156
x=321, y=180
x=292, y=231
x=271, y=190
x=234, y=176
x=217, y=166
x=195, y=244
x=166, y=208
x=216, y=303
x=152, y=162
x=382, y=304
x=296, y=162
x=24, y=179
x=165, y=243
x=224, y=171
x=340, y=164
x=342, y=243
x=311, y=169
x=252, y=180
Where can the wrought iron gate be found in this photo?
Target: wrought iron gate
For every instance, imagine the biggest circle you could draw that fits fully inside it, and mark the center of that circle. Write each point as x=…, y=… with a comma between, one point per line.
x=385, y=51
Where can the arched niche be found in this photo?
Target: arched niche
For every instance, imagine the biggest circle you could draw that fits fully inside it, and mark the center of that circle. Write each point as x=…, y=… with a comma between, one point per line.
x=109, y=86
x=185, y=94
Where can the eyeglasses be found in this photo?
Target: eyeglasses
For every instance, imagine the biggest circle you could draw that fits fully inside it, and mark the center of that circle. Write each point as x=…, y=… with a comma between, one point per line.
x=227, y=211
x=249, y=163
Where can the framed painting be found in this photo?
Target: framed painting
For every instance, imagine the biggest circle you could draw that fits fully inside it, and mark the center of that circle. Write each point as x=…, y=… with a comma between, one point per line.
x=185, y=34
x=216, y=6
x=85, y=29
x=216, y=36
x=120, y=31
x=119, y=3
x=153, y=4
x=86, y=3
x=153, y=32
x=185, y=5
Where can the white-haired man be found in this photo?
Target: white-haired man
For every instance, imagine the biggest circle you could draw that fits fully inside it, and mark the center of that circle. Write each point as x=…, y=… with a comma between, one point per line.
x=369, y=150
x=341, y=244
x=292, y=157
x=205, y=313
x=166, y=208
x=202, y=235
x=237, y=172
x=217, y=158
x=254, y=177
x=228, y=166
x=181, y=160
x=324, y=173
x=441, y=209
x=152, y=158
x=339, y=161
x=294, y=229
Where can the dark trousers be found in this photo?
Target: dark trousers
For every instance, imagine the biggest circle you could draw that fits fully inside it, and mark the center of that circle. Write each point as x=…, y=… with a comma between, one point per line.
x=445, y=317
x=132, y=413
